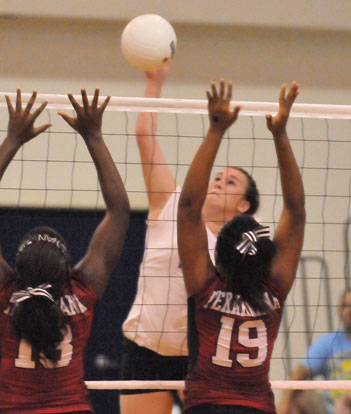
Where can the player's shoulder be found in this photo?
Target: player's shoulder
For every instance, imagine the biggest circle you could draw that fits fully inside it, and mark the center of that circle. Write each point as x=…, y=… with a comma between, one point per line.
x=79, y=286
x=6, y=290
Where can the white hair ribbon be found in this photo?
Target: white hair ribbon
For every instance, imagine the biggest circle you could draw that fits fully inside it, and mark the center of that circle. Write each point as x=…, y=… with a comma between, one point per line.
x=249, y=239
x=22, y=295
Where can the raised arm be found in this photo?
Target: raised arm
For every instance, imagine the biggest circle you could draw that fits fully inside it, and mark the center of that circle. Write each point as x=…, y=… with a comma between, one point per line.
x=158, y=177
x=192, y=237
x=20, y=130
x=290, y=230
x=107, y=241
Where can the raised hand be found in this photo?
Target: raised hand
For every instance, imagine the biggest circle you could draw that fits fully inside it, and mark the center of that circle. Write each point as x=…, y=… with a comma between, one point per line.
x=20, y=127
x=221, y=117
x=159, y=75
x=277, y=124
x=89, y=116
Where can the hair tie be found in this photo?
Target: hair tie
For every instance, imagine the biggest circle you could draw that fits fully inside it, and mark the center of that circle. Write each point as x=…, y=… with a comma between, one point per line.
x=249, y=240
x=22, y=295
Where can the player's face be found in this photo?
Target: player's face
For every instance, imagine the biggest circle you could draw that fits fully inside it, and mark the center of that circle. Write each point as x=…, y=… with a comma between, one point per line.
x=345, y=311
x=227, y=191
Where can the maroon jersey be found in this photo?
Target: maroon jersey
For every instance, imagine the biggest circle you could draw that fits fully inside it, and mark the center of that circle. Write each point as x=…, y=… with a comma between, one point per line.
x=34, y=385
x=230, y=348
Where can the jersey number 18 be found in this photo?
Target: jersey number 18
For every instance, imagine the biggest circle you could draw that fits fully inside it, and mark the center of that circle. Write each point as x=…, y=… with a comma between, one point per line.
x=25, y=353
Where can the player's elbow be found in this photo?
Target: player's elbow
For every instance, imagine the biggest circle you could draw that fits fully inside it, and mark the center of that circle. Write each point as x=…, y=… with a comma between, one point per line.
x=187, y=206
x=297, y=209
x=186, y=211
x=300, y=214
x=124, y=213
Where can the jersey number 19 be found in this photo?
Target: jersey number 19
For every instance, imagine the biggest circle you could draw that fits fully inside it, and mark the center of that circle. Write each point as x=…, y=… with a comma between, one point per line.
x=225, y=338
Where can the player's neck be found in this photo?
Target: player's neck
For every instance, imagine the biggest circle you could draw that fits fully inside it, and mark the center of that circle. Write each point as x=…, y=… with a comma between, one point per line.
x=213, y=218
x=214, y=226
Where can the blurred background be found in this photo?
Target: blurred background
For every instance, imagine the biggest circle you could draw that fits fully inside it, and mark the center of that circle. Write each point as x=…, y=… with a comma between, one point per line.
x=59, y=47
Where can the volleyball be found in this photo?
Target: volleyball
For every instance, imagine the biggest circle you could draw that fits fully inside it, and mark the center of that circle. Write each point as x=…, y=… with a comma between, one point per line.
x=148, y=42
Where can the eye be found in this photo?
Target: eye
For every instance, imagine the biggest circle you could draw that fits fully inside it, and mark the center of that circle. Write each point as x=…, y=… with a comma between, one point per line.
x=217, y=179
x=232, y=182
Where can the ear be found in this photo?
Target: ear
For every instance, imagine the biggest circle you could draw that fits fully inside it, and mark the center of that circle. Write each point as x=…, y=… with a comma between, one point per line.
x=243, y=206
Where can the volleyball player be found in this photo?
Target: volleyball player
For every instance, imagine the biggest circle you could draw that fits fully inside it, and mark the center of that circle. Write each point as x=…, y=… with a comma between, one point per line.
x=156, y=327
x=46, y=308
x=235, y=306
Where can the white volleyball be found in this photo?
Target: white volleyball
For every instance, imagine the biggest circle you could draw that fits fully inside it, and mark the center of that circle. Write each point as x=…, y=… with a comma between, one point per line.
x=148, y=42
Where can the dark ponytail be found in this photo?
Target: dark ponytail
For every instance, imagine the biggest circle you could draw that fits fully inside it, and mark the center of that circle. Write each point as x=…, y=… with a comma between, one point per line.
x=41, y=259
x=40, y=322
x=245, y=273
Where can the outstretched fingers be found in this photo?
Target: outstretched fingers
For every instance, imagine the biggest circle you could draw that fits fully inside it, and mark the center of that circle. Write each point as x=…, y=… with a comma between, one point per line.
x=221, y=87
x=292, y=94
x=95, y=100
x=67, y=118
x=28, y=107
x=39, y=110
x=85, y=99
x=277, y=123
x=30, y=103
x=282, y=94
x=21, y=121
x=9, y=105
x=214, y=89
x=87, y=121
x=19, y=100
x=236, y=111
x=105, y=103
x=230, y=91
x=286, y=100
x=209, y=96
x=269, y=121
x=73, y=101
x=41, y=129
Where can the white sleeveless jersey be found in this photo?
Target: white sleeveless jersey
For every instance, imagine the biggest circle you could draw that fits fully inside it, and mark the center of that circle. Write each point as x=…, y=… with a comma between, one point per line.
x=158, y=317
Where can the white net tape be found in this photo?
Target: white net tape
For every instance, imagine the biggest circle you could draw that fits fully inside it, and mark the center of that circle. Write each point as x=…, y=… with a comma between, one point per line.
x=179, y=385
x=193, y=106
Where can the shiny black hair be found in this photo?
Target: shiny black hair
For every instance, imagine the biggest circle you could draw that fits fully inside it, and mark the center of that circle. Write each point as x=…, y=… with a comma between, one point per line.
x=245, y=274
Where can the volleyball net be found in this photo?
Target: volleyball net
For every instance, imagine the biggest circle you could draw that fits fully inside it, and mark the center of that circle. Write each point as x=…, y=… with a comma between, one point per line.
x=55, y=171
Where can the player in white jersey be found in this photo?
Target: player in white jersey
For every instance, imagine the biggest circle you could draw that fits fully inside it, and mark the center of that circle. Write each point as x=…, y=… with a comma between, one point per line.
x=156, y=327
x=157, y=319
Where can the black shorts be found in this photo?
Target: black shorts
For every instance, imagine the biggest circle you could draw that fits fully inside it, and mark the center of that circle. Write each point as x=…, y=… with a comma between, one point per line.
x=142, y=364
x=222, y=409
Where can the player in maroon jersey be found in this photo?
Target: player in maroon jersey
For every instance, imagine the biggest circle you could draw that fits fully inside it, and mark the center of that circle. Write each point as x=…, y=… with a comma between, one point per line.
x=46, y=308
x=235, y=307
